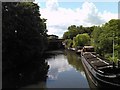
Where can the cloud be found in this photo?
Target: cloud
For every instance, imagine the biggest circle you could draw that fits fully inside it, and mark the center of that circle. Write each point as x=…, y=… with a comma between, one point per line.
x=37, y=2
x=92, y=14
x=52, y=5
x=108, y=15
x=58, y=18
x=57, y=66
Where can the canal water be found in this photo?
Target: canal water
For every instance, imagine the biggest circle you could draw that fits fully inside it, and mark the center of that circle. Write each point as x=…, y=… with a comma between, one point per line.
x=65, y=71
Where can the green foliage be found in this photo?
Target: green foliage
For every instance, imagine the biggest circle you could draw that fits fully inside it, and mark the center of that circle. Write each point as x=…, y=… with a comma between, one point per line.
x=102, y=39
x=81, y=40
x=66, y=35
x=95, y=34
x=68, y=43
x=73, y=59
x=74, y=30
x=24, y=32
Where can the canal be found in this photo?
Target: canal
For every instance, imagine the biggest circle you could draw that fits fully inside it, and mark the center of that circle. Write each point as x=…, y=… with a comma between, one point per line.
x=65, y=71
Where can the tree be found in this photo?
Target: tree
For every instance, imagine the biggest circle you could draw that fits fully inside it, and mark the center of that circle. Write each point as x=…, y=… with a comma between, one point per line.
x=66, y=35
x=102, y=39
x=73, y=30
x=94, y=38
x=68, y=43
x=24, y=33
x=81, y=40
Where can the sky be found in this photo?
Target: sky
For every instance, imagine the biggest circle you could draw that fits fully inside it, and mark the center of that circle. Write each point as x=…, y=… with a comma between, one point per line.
x=61, y=14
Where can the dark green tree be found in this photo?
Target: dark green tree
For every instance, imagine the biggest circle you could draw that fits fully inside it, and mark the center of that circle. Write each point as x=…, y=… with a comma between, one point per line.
x=73, y=30
x=102, y=39
x=23, y=33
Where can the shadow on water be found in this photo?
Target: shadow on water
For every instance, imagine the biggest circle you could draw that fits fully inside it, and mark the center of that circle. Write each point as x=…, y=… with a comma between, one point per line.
x=29, y=74
x=33, y=74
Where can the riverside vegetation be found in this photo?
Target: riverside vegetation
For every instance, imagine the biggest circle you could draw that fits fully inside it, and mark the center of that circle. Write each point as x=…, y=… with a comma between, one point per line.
x=101, y=37
x=24, y=37
x=24, y=40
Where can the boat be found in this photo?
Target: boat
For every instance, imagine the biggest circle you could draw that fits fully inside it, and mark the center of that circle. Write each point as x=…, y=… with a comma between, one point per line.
x=78, y=49
x=100, y=70
x=73, y=49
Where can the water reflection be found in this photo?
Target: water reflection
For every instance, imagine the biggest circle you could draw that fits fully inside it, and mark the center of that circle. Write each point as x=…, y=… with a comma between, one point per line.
x=58, y=64
x=74, y=60
x=66, y=72
x=30, y=74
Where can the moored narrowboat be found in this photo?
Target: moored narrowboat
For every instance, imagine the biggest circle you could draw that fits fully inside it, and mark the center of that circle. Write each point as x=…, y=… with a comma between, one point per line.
x=78, y=49
x=99, y=69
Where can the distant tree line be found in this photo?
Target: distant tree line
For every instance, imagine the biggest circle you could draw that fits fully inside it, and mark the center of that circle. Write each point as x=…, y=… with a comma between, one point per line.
x=101, y=37
x=77, y=36
x=24, y=37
